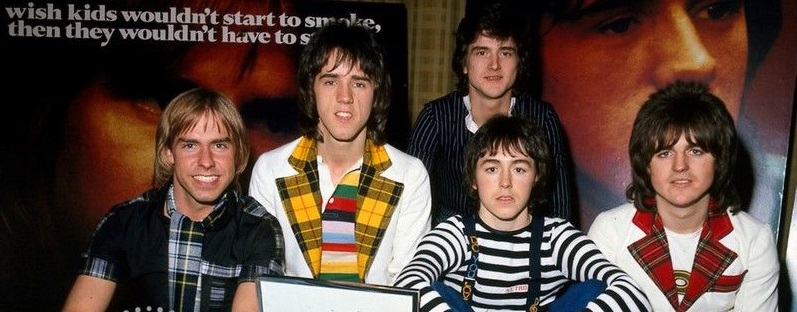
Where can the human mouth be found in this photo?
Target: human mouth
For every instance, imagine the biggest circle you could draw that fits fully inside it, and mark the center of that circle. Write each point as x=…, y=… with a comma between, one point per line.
x=505, y=199
x=344, y=115
x=206, y=179
x=681, y=182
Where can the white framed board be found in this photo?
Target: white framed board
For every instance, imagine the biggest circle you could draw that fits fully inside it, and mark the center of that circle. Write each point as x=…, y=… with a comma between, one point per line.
x=288, y=294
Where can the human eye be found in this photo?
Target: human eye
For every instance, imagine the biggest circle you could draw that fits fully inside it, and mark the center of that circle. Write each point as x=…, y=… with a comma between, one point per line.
x=360, y=84
x=188, y=145
x=479, y=52
x=221, y=146
x=617, y=25
x=663, y=153
x=490, y=169
x=696, y=151
x=719, y=10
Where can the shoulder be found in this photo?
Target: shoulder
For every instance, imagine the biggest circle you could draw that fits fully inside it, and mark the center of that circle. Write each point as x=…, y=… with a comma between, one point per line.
x=142, y=204
x=612, y=223
x=749, y=225
x=282, y=152
x=275, y=160
x=444, y=102
x=622, y=213
x=554, y=225
x=528, y=102
x=253, y=214
x=403, y=161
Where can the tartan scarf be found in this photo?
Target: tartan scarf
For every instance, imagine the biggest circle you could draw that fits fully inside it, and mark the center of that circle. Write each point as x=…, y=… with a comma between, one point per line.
x=185, y=255
x=377, y=198
x=652, y=253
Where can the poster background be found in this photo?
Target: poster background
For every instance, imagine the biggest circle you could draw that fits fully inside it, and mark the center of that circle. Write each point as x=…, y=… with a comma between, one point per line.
x=85, y=114
x=35, y=263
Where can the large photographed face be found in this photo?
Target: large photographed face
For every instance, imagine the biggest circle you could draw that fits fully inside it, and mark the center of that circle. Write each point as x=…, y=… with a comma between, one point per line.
x=109, y=144
x=601, y=64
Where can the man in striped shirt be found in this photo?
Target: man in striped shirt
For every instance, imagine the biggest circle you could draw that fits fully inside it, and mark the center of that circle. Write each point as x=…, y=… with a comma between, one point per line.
x=491, y=61
x=507, y=257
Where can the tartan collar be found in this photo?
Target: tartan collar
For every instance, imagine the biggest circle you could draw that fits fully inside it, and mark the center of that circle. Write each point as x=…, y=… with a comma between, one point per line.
x=712, y=258
x=304, y=155
x=717, y=219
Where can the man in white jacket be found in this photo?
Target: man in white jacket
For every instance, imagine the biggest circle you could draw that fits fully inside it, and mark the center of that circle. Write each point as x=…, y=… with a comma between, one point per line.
x=354, y=205
x=683, y=237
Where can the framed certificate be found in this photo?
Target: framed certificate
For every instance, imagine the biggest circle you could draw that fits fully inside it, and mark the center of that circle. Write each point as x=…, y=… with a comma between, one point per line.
x=288, y=294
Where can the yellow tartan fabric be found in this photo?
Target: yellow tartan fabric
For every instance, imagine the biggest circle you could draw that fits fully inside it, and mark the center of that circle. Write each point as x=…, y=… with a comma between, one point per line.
x=377, y=198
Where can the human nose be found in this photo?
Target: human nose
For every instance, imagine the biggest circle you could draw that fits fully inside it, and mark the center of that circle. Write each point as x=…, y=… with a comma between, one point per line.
x=206, y=159
x=506, y=181
x=680, y=164
x=679, y=51
x=494, y=62
x=343, y=94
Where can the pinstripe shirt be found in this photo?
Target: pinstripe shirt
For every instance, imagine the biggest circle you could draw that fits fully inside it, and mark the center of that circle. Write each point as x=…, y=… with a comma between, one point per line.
x=502, y=279
x=439, y=139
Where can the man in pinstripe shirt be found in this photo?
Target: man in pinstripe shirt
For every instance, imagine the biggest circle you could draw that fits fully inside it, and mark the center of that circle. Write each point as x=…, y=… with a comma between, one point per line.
x=490, y=62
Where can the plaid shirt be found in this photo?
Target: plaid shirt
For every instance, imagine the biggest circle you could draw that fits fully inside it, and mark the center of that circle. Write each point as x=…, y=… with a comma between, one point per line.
x=139, y=247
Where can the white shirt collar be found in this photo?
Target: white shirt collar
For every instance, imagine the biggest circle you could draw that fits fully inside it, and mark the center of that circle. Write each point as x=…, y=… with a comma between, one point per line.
x=469, y=123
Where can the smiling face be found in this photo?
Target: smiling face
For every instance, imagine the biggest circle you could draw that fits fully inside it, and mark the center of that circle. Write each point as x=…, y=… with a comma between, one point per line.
x=504, y=182
x=599, y=67
x=491, y=66
x=344, y=96
x=204, y=166
x=681, y=177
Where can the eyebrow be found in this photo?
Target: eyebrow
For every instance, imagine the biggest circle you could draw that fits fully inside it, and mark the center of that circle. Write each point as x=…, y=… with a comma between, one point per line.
x=353, y=76
x=225, y=139
x=601, y=6
x=515, y=161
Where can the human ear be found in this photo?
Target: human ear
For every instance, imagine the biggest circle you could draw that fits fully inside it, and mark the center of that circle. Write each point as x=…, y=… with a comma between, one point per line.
x=167, y=153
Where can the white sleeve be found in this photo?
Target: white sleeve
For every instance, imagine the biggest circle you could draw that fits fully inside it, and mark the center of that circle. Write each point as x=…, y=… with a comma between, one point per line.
x=414, y=217
x=759, y=289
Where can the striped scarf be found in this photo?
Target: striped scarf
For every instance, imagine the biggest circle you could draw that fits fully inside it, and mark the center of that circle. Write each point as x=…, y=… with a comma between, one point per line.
x=338, y=247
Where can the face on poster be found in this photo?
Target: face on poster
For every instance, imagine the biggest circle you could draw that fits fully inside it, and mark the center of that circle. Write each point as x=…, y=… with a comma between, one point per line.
x=601, y=60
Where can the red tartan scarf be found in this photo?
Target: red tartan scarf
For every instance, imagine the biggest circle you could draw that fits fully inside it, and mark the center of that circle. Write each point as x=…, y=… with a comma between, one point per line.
x=652, y=253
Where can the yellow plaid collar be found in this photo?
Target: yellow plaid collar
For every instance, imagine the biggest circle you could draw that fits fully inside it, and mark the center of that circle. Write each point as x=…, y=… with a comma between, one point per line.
x=377, y=198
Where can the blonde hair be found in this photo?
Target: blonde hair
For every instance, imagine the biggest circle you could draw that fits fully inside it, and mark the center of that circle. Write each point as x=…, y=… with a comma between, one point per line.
x=182, y=114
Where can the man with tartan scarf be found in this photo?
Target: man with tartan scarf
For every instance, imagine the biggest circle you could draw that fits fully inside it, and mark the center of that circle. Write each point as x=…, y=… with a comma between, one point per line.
x=683, y=236
x=352, y=207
